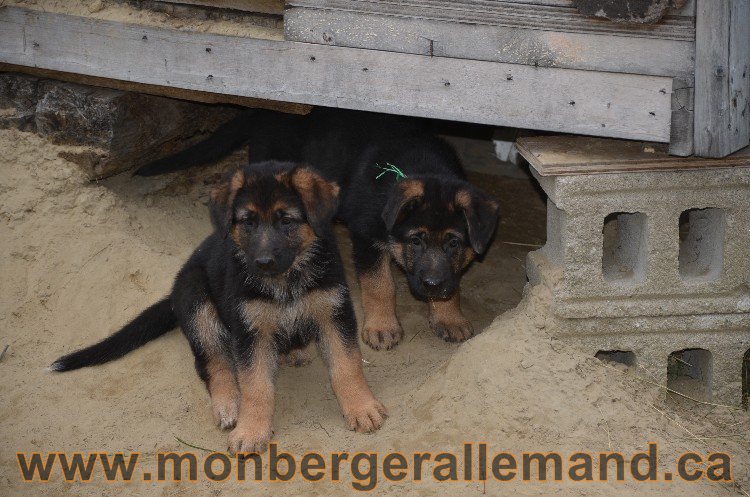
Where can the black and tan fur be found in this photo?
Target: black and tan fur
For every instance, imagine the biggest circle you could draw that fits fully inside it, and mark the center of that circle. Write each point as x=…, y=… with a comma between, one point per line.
x=263, y=287
x=432, y=224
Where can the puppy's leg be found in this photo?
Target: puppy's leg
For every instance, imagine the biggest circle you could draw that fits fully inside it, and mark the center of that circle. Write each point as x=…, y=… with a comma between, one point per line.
x=255, y=374
x=340, y=349
x=381, y=328
x=447, y=321
x=220, y=379
x=210, y=342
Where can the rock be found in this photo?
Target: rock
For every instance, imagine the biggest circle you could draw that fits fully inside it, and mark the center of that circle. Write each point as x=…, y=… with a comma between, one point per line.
x=112, y=130
x=18, y=98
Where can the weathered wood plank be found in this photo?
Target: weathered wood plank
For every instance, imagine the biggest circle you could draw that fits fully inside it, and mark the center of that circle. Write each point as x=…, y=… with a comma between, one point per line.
x=583, y=102
x=571, y=155
x=687, y=9
x=722, y=79
x=499, y=43
x=161, y=91
x=739, y=72
x=683, y=119
x=506, y=14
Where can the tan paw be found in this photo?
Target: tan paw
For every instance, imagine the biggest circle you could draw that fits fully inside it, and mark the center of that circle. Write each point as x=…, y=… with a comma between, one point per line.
x=249, y=438
x=382, y=338
x=225, y=411
x=296, y=357
x=454, y=331
x=365, y=417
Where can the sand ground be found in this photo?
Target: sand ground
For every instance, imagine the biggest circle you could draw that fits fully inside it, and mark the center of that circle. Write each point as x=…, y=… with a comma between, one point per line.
x=79, y=259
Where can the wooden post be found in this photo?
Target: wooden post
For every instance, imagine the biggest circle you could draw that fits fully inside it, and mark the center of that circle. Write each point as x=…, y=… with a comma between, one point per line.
x=722, y=77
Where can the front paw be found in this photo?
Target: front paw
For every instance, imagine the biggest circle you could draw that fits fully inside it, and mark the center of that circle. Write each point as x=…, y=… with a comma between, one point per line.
x=249, y=437
x=225, y=411
x=365, y=416
x=453, y=331
x=380, y=337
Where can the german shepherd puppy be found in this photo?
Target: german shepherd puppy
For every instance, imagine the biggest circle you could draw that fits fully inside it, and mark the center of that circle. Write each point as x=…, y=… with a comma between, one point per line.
x=422, y=214
x=265, y=284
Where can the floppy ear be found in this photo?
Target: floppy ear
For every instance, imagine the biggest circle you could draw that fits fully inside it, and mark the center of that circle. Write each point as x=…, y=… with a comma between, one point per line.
x=221, y=201
x=319, y=196
x=481, y=212
x=402, y=194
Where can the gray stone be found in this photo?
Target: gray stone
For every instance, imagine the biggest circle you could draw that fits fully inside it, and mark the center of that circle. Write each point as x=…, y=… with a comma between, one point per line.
x=18, y=98
x=119, y=130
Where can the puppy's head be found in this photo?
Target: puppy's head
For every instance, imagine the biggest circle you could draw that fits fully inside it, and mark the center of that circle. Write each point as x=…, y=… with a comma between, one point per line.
x=273, y=212
x=436, y=228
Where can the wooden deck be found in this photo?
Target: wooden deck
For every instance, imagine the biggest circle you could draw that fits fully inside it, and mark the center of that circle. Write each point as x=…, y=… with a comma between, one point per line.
x=534, y=64
x=568, y=100
x=577, y=155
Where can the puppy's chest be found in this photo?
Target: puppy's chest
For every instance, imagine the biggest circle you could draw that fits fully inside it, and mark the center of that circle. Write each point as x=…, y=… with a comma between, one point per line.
x=317, y=306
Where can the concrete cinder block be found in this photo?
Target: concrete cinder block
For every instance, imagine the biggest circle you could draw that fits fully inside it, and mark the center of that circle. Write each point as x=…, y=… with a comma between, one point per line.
x=653, y=263
x=617, y=238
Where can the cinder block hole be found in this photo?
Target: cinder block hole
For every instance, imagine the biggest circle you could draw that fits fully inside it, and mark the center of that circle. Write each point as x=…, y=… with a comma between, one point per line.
x=624, y=246
x=689, y=372
x=746, y=379
x=624, y=357
x=701, y=243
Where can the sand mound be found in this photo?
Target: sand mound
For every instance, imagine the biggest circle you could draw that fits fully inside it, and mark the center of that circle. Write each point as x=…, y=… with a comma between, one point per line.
x=82, y=258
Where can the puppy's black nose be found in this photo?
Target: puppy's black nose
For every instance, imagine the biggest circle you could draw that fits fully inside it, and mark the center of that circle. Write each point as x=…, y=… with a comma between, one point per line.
x=432, y=284
x=265, y=262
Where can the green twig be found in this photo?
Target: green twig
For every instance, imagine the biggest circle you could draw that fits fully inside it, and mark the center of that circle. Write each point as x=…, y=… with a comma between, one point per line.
x=390, y=169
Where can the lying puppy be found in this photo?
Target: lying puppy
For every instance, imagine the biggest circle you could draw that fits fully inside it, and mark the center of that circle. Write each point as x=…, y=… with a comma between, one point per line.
x=267, y=282
x=405, y=198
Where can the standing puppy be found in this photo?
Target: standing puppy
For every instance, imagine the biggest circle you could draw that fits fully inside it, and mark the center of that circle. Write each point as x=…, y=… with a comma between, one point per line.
x=266, y=283
x=408, y=201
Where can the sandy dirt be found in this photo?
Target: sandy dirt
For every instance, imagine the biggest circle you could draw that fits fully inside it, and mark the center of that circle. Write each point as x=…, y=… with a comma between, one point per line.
x=80, y=259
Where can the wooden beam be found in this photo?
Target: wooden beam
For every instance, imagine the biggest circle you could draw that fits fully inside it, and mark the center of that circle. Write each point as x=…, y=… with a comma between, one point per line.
x=509, y=13
x=521, y=35
x=583, y=102
x=161, y=91
x=722, y=77
x=683, y=119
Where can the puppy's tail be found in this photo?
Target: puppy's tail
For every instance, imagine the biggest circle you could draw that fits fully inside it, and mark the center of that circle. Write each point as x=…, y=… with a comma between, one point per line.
x=150, y=324
x=227, y=138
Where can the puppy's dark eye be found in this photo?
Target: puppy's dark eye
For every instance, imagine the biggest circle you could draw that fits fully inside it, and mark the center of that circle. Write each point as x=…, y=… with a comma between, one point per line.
x=416, y=240
x=286, y=221
x=454, y=243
